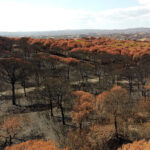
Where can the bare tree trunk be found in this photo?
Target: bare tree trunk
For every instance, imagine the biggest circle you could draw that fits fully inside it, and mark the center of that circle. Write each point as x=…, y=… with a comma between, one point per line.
x=51, y=108
x=24, y=88
x=68, y=73
x=5, y=143
x=130, y=84
x=62, y=114
x=116, y=126
x=10, y=140
x=13, y=93
x=80, y=126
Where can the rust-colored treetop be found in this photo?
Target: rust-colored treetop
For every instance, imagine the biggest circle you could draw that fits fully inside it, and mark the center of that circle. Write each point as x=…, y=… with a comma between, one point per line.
x=100, y=99
x=68, y=60
x=90, y=45
x=114, y=100
x=83, y=106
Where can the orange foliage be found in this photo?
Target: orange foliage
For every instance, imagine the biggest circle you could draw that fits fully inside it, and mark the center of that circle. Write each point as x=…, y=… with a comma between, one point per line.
x=77, y=140
x=116, y=96
x=14, y=61
x=83, y=106
x=118, y=93
x=101, y=98
x=68, y=60
x=134, y=49
x=35, y=145
x=115, y=102
x=136, y=145
x=11, y=126
x=98, y=135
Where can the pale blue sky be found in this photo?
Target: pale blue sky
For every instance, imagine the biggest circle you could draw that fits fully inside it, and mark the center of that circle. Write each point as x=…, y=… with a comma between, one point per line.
x=93, y=5
x=35, y=15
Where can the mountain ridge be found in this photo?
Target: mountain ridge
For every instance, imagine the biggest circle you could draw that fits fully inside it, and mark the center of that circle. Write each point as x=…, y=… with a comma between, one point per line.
x=75, y=32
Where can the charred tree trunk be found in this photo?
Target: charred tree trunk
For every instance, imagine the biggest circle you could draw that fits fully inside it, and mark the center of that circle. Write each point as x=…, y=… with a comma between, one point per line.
x=51, y=108
x=62, y=113
x=10, y=140
x=13, y=92
x=62, y=110
x=80, y=126
x=68, y=73
x=5, y=143
x=130, y=84
x=116, y=126
x=24, y=88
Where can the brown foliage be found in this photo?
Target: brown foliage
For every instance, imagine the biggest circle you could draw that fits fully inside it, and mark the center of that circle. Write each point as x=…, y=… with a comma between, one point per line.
x=99, y=135
x=35, y=145
x=100, y=99
x=83, y=106
x=136, y=145
x=78, y=140
x=11, y=125
x=144, y=105
x=113, y=100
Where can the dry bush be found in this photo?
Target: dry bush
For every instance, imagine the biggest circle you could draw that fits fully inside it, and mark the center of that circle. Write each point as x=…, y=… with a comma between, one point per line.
x=140, y=118
x=144, y=105
x=95, y=138
x=77, y=140
x=11, y=126
x=99, y=135
x=143, y=131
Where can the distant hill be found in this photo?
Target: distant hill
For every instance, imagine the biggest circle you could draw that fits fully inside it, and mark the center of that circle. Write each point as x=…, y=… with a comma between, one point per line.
x=135, y=32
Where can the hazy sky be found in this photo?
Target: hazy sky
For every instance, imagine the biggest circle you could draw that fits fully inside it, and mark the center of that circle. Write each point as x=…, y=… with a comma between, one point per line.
x=41, y=15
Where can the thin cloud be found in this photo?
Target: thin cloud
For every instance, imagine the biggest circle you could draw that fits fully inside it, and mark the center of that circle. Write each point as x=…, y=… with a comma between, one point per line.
x=144, y=2
x=28, y=17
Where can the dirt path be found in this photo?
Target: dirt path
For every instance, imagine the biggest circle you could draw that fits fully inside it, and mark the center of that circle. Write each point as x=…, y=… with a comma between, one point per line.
x=30, y=89
x=18, y=91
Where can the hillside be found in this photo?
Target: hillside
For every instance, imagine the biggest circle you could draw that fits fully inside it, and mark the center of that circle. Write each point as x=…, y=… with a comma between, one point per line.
x=85, y=93
x=127, y=33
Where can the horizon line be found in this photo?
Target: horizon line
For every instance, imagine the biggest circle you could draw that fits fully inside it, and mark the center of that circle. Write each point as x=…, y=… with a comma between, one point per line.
x=73, y=30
